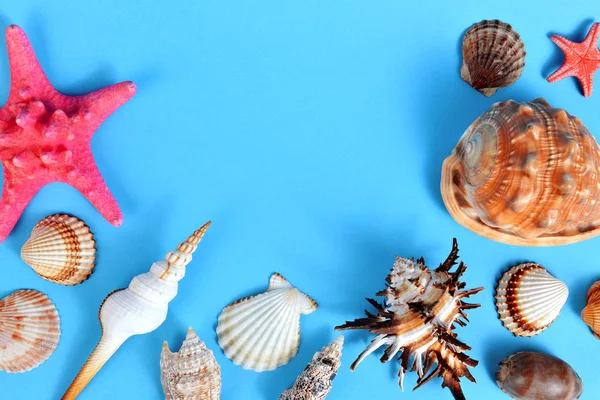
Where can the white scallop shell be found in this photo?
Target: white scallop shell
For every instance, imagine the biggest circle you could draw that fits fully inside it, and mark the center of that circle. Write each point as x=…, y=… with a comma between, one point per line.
x=262, y=332
x=29, y=330
x=529, y=299
x=192, y=373
x=61, y=249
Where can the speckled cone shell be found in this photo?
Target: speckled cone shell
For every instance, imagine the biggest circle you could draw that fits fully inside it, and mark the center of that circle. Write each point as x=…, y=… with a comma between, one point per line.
x=29, y=330
x=139, y=309
x=262, y=332
x=525, y=174
x=529, y=299
x=192, y=373
x=314, y=383
x=493, y=56
x=591, y=312
x=61, y=249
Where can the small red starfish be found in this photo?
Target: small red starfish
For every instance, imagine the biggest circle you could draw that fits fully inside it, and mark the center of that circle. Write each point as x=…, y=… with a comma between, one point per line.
x=581, y=59
x=45, y=136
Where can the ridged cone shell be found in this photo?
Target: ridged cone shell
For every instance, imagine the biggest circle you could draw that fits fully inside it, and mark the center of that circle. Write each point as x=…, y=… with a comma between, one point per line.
x=493, y=56
x=525, y=174
x=529, y=299
x=192, y=373
x=591, y=312
x=61, y=249
x=262, y=332
x=29, y=330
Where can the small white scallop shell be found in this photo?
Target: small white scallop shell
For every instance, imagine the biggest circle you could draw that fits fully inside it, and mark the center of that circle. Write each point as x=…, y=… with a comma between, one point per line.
x=529, y=299
x=192, y=373
x=262, y=332
x=61, y=249
x=29, y=330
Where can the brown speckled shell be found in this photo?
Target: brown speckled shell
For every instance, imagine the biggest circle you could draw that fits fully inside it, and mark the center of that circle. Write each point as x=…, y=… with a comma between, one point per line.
x=591, y=312
x=493, y=56
x=525, y=174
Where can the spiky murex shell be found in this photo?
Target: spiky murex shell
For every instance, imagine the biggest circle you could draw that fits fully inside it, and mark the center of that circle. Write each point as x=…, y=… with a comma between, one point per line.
x=417, y=320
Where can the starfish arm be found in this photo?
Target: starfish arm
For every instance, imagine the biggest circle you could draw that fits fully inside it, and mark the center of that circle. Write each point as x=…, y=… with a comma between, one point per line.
x=25, y=70
x=592, y=37
x=15, y=199
x=563, y=72
x=586, y=84
x=86, y=178
x=563, y=43
x=100, y=104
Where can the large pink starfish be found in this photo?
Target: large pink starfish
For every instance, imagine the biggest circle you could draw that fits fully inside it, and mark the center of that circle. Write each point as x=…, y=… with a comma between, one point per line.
x=45, y=136
x=581, y=59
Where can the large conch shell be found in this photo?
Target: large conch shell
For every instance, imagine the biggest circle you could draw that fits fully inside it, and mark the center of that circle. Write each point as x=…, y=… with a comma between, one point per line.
x=529, y=299
x=417, y=320
x=262, y=332
x=314, y=383
x=493, y=56
x=139, y=309
x=29, y=330
x=591, y=312
x=525, y=174
x=61, y=249
x=192, y=373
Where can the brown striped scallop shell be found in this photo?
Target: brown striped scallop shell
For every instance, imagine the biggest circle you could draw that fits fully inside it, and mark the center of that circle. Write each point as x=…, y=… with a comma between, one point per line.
x=493, y=56
x=61, y=249
x=525, y=174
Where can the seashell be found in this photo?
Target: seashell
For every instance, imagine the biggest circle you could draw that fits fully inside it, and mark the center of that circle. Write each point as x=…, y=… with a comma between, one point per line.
x=314, y=383
x=417, y=320
x=61, y=249
x=529, y=299
x=493, y=56
x=591, y=312
x=262, y=332
x=29, y=330
x=139, y=309
x=534, y=376
x=525, y=174
x=192, y=373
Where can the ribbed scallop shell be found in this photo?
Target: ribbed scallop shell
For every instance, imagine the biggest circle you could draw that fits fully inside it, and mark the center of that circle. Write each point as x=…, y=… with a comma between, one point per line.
x=61, y=249
x=529, y=299
x=493, y=56
x=525, y=174
x=192, y=373
x=591, y=312
x=262, y=332
x=29, y=330
x=314, y=383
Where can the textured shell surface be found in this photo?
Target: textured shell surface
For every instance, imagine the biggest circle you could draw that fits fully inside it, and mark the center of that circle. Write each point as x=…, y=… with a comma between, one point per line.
x=529, y=299
x=192, y=373
x=262, y=332
x=61, y=249
x=525, y=174
x=417, y=320
x=314, y=383
x=493, y=56
x=29, y=330
x=534, y=376
x=140, y=308
x=591, y=312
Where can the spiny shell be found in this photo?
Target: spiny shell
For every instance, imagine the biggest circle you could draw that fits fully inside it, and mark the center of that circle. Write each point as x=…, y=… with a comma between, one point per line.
x=417, y=320
x=61, y=249
x=538, y=376
x=493, y=56
x=525, y=174
x=29, y=330
x=192, y=373
x=314, y=383
x=262, y=332
x=591, y=312
x=529, y=299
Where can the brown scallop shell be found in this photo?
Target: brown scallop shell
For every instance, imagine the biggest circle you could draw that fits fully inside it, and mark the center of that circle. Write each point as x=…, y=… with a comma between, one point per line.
x=591, y=312
x=525, y=174
x=493, y=56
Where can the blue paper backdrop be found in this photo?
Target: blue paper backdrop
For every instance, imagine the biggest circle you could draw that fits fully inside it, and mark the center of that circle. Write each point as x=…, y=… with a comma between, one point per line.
x=312, y=133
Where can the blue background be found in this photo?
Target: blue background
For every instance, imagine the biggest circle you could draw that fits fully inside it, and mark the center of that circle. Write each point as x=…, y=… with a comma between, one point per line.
x=312, y=133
